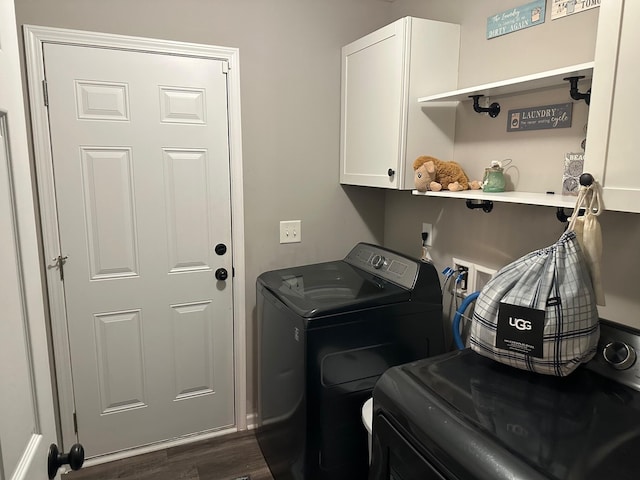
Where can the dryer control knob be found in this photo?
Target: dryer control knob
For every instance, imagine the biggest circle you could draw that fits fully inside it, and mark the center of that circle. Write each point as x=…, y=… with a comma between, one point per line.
x=619, y=355
x=378, y=261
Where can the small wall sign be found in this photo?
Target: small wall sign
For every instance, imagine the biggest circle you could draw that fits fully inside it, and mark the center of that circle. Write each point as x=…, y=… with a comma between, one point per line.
x=516, y=19
x=540, y=118
x=573, y=165
x=562, y=8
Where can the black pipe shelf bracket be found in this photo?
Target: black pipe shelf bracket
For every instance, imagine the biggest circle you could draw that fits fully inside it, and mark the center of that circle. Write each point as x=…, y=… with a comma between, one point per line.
x=493, y=110
x=562, y=216
x=485, y=205
x=574, y=92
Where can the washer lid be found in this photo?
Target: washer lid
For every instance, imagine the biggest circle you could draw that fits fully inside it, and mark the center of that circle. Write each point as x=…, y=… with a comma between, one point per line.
x=502, y=423
x=330, y=288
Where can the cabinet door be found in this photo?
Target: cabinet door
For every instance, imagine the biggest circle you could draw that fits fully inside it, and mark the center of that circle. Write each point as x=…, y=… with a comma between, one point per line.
x=373, y=86
x=611, y=155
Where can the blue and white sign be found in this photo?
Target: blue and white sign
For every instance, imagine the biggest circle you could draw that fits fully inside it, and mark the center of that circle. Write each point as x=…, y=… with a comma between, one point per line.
x=516, y=19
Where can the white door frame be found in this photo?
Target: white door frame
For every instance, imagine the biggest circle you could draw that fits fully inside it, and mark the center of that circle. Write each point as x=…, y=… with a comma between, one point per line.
x=34, y=38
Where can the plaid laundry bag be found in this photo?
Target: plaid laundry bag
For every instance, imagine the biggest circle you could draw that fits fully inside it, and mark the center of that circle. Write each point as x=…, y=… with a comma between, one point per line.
x=539, y=313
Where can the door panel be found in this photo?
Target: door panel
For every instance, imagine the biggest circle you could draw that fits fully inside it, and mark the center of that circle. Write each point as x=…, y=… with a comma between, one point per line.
x=193, y=349
x=120, y=361
x=110, y=215
x=141, y=167
x=186, y=178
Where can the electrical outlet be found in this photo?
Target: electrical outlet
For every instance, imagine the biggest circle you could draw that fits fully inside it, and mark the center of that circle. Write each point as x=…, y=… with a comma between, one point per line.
x=290, y=231
x=428, y=229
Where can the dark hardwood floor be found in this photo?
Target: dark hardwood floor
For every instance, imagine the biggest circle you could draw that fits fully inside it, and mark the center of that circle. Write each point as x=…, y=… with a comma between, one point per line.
x=222, y=458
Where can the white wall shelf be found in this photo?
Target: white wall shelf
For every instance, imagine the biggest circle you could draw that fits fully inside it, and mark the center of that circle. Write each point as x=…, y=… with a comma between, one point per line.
x=524, y=84
x=527, y=83
x=531, y=198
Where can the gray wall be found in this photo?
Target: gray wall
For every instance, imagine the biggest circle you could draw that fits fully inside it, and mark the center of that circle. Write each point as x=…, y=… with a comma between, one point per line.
x=290, y=87
x=510, y=231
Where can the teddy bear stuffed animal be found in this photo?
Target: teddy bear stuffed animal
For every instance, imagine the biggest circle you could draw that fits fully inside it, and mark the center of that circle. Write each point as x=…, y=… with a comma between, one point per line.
x=433, y=174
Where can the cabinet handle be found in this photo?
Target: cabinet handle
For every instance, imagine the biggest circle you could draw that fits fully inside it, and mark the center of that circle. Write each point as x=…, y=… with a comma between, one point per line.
x=391, y=172
x=586, y=179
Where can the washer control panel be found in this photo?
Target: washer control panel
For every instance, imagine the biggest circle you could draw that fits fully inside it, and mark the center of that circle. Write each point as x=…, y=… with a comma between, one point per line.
x=617, y=354
x=385, y=264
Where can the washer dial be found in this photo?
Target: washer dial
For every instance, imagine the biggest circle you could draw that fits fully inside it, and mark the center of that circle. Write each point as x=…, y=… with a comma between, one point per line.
x=619, y=355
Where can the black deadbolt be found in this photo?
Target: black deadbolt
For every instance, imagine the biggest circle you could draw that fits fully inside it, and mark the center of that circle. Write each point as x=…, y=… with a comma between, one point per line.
x=221, y=249
x=221, y=274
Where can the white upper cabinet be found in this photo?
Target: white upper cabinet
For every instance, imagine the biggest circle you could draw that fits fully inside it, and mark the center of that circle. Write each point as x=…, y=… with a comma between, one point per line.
x=383, y=126
x=614, y=123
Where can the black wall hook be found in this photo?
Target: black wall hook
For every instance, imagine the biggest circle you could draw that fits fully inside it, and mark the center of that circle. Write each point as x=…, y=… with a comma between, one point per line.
x=575, y=94
x=485, y=205
x=586, y=179
x=493, y=110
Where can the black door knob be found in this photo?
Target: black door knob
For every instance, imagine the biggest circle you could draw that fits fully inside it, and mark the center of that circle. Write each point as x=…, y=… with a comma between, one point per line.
x=391, y=172
x=220, y=249
x=221, y=274
x=55, y=459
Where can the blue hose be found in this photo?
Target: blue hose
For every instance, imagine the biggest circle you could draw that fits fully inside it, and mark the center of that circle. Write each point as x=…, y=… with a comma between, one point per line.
x=458, y=316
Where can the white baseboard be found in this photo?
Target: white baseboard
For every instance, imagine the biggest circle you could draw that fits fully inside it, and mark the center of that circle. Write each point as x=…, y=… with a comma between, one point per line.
x=154, y=447
x=174, y=442
x=252, y=421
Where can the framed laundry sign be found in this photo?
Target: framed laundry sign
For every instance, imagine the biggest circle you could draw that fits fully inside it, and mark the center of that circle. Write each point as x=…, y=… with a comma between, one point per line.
x=540, y=118
x=516, y=18
x=562, y=8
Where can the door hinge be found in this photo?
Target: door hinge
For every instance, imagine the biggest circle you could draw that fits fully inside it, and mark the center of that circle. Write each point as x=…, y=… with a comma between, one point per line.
x=233, y=272
x=75, y=423
x=225, y=67
x=58, y=262
x=45, y=91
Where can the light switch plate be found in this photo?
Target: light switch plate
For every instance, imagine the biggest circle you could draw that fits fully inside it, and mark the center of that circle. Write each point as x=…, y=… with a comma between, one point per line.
x=290, y=231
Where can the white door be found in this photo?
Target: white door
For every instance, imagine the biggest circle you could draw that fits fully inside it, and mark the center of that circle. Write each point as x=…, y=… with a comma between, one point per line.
x=141, y=163
x=27, y=426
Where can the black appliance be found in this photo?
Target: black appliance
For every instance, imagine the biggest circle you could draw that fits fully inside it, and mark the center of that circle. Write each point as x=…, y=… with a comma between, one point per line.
x=461, y=416
x=326, y=333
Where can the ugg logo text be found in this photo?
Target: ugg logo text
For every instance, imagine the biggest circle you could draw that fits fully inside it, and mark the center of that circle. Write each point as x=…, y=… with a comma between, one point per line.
x=520, y=323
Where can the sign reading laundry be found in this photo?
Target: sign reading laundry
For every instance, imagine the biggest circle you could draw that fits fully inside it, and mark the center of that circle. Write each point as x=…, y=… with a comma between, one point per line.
x=540, y=118
x=516, y=19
